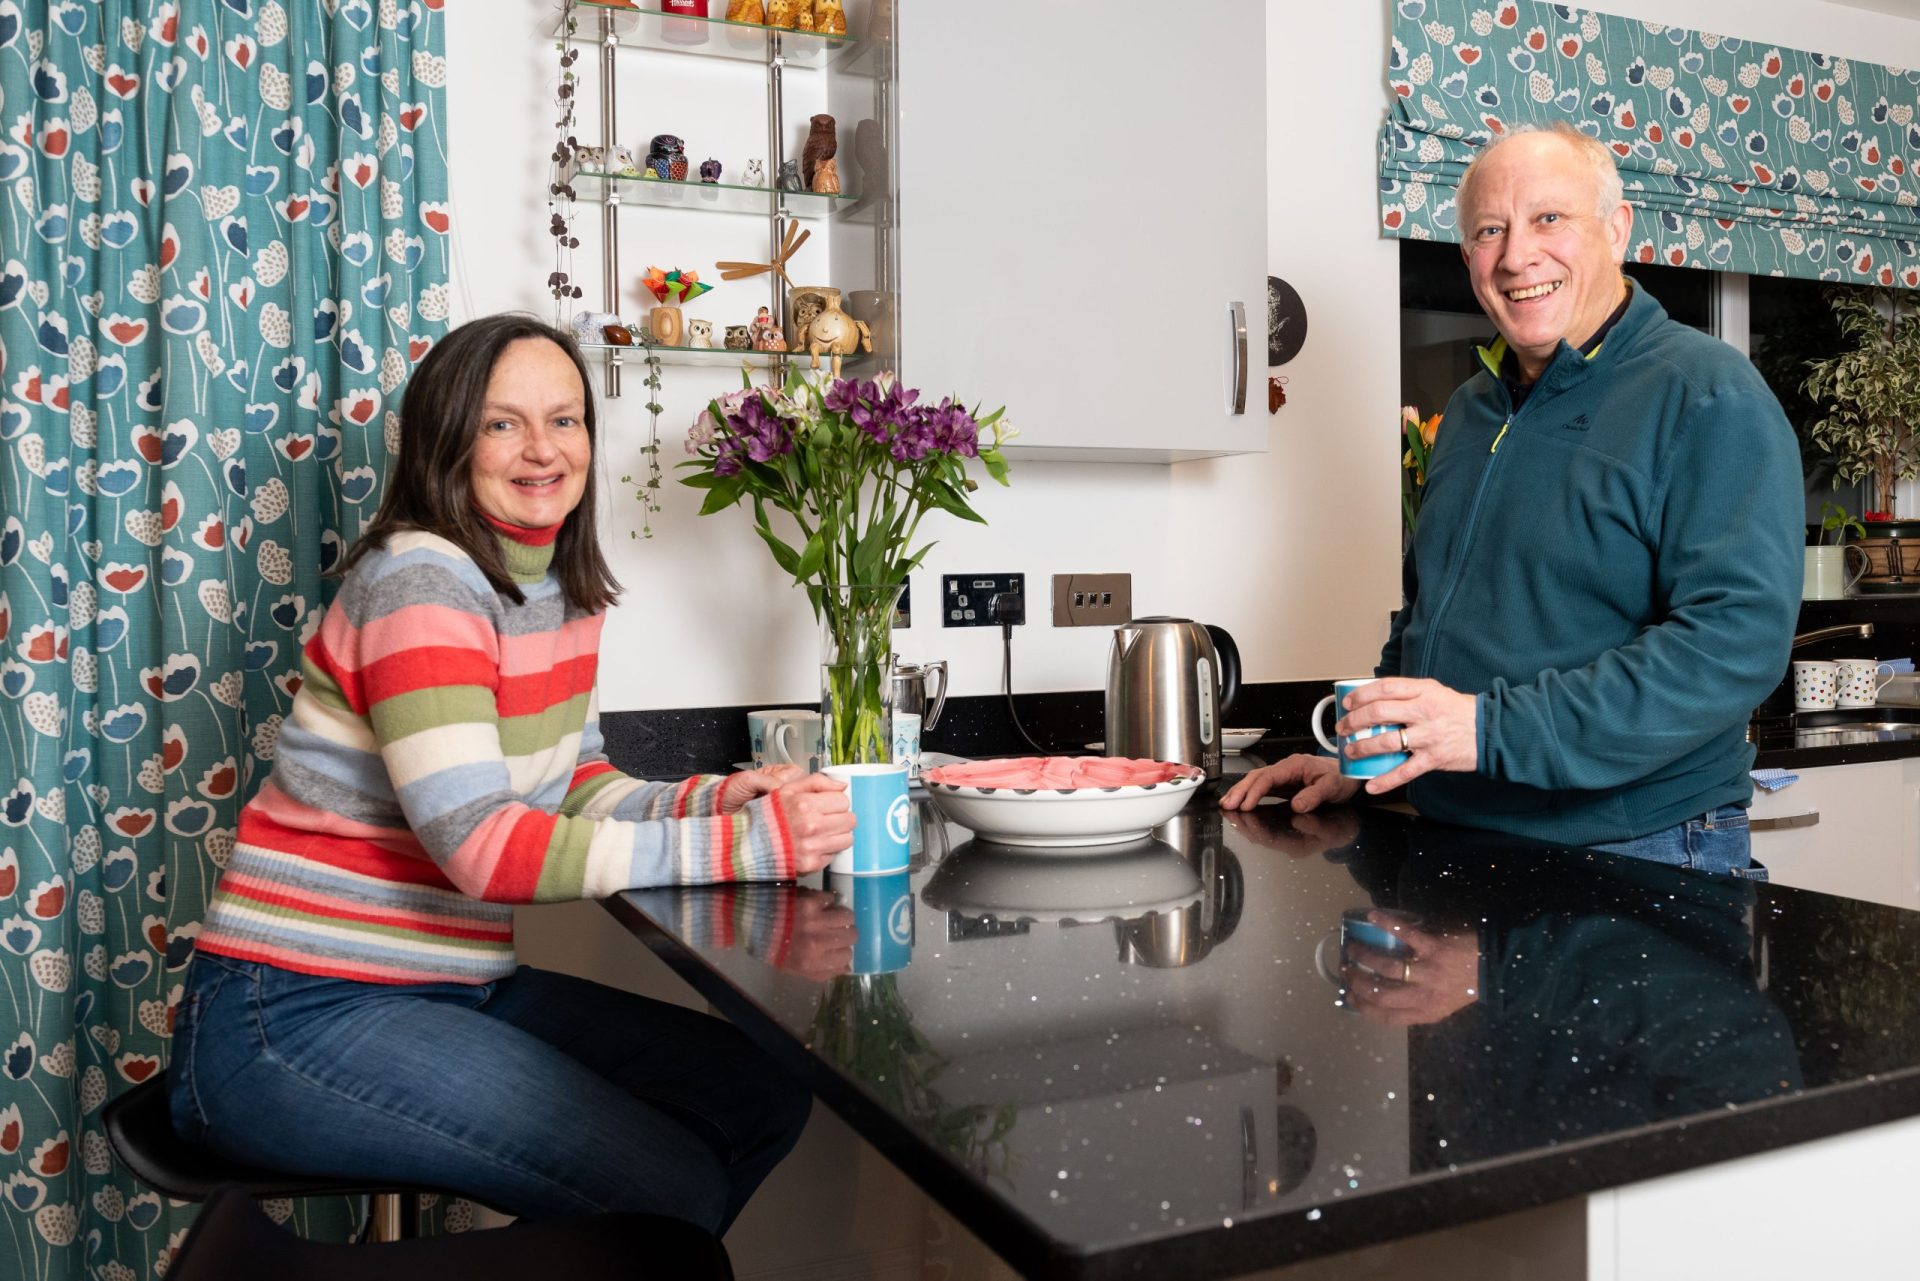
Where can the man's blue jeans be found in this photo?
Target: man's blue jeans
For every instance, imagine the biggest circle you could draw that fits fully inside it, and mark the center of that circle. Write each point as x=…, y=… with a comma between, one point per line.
x=1716, y=842
x=541, y=1095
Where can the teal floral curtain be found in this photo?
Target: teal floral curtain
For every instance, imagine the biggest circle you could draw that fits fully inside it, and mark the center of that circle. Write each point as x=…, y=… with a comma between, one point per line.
x=224, y=248
x=1737, y=156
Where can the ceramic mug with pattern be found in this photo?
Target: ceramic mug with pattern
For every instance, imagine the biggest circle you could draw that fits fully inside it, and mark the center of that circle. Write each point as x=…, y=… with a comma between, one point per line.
x=1858, y=681
x=1816, y=685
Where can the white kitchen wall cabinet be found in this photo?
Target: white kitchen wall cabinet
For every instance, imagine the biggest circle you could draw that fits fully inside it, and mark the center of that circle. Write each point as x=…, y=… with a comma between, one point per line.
x=1852, y=830
x=1083, y=206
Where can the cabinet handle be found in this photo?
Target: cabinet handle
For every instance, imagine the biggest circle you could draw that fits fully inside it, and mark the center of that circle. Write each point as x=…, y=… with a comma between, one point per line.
x=1237, y=394
x=1784, y=823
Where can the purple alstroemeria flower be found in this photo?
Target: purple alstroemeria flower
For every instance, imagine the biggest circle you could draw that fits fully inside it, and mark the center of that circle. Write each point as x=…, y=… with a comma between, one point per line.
x=763, y=434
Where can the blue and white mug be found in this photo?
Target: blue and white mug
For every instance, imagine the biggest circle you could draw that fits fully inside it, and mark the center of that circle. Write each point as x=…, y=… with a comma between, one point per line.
x=882, y=820
x=786, y=736
x=882, y=909
x=1365, y=766
x=906, y=742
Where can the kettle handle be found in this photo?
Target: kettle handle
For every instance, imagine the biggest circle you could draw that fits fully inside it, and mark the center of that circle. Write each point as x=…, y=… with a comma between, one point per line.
x=940, y=699
x=1229, y=667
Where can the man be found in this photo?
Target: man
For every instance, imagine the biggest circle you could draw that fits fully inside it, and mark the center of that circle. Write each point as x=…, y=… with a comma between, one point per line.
x=1606, y=573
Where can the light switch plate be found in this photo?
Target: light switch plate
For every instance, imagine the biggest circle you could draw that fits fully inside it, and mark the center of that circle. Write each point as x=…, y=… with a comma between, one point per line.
x=1092, y=600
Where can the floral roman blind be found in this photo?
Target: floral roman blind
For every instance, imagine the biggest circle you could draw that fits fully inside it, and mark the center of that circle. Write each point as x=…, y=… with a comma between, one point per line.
x=1736, y=156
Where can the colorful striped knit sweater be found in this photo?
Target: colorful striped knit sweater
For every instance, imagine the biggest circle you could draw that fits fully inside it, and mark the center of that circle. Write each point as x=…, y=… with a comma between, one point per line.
x=442, y=762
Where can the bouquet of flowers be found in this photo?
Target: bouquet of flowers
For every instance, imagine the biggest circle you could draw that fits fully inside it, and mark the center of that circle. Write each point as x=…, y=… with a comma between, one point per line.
x=1419, y=436
x=854, y=466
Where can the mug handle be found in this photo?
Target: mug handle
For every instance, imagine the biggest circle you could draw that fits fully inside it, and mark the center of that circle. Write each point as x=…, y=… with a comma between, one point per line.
x=779, y=750
x=1330, y=974
x=1882, y=674
x=1318, y=733
x=1855, y=575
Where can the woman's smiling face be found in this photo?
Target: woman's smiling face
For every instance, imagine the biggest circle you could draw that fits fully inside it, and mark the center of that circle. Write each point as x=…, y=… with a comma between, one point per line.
x=531, y=455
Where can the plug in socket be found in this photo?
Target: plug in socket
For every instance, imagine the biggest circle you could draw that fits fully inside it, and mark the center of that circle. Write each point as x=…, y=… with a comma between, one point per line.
x=1092, y=600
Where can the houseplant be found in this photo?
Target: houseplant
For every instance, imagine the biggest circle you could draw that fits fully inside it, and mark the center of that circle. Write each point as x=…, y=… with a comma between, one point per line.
x=1419, y=435
x=1869, y=395
x=854, y=466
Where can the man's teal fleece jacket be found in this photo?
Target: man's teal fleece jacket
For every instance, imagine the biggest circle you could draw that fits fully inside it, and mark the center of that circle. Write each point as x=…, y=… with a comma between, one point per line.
x=1614, y=570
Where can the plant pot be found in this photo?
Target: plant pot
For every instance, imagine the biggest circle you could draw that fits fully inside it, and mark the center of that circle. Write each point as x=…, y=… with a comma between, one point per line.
x=856, y=668
x=1892, y=550
x=1832, y=572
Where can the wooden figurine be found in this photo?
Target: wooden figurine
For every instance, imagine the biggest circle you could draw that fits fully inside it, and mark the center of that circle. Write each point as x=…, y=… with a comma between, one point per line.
x=746, y=11
x=700, y=333
x=803, y=20
x=829, y=18
x=667, y=325
x=826, y=179
x=822, y=144
x=835, y=332
x=783, y=13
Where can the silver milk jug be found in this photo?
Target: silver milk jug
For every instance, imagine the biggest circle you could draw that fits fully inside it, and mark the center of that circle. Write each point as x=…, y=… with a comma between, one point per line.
x=1170, y=682
x=910, y=682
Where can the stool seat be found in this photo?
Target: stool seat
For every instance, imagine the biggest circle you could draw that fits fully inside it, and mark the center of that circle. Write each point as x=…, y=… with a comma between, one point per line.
x=233, y=1238
x=139, y=1127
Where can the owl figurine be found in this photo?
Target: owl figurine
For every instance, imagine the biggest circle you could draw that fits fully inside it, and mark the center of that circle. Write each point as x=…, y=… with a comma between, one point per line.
x=746, y=11
x=783, y=13
x=700, y=333
x=756, y=175
x=829, y=18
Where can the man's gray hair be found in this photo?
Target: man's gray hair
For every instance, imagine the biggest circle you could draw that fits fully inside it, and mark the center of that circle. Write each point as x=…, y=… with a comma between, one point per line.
x=1608, y=191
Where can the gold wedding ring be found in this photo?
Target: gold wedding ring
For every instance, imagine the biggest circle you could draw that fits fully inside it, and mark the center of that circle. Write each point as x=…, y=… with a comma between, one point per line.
x=1406, y=971
x=1403, y=740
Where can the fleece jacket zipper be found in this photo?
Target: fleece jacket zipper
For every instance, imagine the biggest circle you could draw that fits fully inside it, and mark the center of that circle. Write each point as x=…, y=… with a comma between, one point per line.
x=1473, y=529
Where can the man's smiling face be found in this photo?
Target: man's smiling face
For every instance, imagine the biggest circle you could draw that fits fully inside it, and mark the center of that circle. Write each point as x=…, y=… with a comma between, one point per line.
x=1545, y=261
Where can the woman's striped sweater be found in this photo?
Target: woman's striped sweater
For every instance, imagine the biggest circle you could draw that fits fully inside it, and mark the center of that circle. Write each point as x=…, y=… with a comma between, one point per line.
x=442, y=762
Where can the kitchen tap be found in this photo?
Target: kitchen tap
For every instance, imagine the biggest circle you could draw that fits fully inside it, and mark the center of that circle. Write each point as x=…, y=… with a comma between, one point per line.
x=1862, y=630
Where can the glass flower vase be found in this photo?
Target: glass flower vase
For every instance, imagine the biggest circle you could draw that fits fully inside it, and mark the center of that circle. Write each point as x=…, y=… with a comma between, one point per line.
x=856, y=665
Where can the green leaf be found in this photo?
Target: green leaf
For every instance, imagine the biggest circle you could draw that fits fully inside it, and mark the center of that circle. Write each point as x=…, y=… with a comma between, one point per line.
x=702, y=479
x=866, y=555
x=812, y=557
x=996, y=463
x=783, y=555
x=947, y=502
x=722, y=496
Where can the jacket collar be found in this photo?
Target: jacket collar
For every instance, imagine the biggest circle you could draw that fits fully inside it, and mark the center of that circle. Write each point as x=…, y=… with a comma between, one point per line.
x=1570, y=365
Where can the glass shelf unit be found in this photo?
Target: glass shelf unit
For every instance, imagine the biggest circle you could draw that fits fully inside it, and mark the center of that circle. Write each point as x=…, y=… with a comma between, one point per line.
x=710, y=356
x=707, y=197
x=649, y=28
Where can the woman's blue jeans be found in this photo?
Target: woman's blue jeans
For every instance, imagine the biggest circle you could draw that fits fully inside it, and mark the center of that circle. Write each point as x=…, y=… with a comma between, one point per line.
x=540, y=1095
x=1721, y=841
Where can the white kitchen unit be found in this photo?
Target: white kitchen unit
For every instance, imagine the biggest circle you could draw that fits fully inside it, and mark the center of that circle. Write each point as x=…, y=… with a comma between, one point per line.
x=1083, y=222
x=1852, y=830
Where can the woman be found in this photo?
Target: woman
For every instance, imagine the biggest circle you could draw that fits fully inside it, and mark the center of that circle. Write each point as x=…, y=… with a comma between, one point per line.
x=354, y=1008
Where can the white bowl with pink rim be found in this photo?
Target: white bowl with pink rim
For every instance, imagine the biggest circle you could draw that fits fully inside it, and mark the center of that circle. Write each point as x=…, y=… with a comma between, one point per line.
x=1063, y=802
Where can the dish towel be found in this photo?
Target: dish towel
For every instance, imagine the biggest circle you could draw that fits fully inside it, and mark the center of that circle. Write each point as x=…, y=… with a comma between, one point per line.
x=1772, y=780
x=1898, y=666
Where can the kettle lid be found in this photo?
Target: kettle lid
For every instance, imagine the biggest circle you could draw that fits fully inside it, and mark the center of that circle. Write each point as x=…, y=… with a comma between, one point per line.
x=1160, y=618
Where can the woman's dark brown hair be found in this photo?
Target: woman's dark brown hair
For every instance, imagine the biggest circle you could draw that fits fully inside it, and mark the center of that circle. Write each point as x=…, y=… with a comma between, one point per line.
x=430, y=485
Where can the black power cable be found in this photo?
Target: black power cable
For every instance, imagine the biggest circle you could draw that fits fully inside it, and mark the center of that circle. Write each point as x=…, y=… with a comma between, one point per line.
x=1003, y=607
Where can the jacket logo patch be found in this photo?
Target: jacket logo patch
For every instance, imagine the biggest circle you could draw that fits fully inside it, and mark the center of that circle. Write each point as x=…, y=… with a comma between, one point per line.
x=1578, y=424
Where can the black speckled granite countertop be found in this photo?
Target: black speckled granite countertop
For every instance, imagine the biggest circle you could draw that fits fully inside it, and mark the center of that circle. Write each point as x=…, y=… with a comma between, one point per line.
x=1130, y=1062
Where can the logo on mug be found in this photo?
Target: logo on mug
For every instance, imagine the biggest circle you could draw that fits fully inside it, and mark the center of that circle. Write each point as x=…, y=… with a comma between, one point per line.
x=900, y=920
x=900, y=819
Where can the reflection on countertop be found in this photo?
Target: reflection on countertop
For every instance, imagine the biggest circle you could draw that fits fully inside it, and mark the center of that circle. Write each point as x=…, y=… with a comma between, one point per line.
x=1129, y=1048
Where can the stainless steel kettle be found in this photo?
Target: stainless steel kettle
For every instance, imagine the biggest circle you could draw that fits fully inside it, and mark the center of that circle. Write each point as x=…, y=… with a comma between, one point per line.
x=1170, y=682
x=910, y=682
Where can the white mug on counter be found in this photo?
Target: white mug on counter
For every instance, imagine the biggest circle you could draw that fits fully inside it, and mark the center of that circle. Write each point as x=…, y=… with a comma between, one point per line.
x=1816, y=685
x=1858, y=681
x=786, y=736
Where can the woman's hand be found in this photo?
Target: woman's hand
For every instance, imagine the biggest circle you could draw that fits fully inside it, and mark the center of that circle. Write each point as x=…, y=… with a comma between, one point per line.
x=819, y=817
x=823, y=934
x=1318, y=779
x=750, y=784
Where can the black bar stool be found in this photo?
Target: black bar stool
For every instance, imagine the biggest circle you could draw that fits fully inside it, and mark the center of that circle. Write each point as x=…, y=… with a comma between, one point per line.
x=140, y=1130
x=235, y=1241
x=234, y=1238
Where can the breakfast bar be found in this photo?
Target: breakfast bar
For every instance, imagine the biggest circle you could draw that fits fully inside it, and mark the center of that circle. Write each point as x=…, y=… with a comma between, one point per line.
x=1143, y=1061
